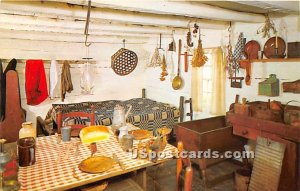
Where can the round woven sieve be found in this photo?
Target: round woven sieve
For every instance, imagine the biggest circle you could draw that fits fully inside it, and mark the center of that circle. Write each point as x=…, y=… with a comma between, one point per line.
x=124, y=61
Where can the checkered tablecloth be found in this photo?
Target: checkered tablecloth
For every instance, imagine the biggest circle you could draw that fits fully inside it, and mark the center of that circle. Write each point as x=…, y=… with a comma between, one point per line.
x=49, y=173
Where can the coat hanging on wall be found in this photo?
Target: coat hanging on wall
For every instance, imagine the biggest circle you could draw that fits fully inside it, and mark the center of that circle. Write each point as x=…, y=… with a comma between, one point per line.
x=66, y=81
x=35, y=84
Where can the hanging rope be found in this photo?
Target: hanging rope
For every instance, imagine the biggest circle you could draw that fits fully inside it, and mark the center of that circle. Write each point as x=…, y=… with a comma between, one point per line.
x=86, y=30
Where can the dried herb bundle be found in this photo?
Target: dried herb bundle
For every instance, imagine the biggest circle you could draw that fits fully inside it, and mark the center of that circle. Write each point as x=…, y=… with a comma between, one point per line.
x=164, y=69
x=155, y=60
x=267, y=27
x=199, y=58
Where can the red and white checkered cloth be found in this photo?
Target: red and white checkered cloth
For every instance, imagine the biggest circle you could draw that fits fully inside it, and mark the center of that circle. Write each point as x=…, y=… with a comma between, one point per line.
x=49, y=173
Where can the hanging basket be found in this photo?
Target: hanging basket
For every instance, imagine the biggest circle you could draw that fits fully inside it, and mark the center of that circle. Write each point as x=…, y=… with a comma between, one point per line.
x=124, y=61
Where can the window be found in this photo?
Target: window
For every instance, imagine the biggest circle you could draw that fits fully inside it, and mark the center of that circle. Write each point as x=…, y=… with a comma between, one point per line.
x=207, y=84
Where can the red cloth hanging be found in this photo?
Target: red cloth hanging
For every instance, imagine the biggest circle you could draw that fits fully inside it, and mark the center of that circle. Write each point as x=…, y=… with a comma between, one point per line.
x=35, y=84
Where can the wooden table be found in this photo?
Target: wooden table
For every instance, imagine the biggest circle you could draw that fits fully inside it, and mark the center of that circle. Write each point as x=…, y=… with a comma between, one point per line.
x=48, y=173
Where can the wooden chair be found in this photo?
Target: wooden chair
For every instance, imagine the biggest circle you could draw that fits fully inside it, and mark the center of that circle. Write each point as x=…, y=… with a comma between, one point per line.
x=76, y=114
x=181, y=108
x=184, y=168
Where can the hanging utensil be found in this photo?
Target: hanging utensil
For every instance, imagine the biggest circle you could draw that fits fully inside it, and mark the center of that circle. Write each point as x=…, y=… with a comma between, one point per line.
x=189, y=38
x=177, y=81
x=160, y=48
x=172, y=45
x=186, y=62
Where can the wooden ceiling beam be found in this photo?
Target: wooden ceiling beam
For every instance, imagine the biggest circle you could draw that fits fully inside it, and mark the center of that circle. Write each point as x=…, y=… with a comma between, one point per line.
x=181, y=8
x=63, y=10
x=40, y=28
x=73, y=38
x=6, y=18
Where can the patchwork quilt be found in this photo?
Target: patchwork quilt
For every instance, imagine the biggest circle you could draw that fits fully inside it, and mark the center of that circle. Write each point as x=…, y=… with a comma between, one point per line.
x=145, y=114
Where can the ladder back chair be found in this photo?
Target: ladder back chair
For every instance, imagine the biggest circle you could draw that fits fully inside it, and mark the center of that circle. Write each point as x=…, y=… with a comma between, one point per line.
x=75, y=128
x=184, y=171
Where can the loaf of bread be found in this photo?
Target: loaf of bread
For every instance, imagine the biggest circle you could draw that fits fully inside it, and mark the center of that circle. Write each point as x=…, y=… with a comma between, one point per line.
x=93, y=134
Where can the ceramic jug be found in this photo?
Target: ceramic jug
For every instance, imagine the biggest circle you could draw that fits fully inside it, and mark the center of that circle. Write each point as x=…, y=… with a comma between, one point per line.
x=119, y=116
x=27, y=130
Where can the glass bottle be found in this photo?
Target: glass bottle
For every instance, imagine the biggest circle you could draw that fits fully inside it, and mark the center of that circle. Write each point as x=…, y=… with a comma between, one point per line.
x=27, y=130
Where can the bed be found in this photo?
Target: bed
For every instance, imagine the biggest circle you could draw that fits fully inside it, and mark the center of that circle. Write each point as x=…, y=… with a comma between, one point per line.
x=145, y=114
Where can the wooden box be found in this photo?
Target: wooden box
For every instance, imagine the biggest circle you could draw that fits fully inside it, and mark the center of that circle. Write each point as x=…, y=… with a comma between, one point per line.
x=211, y=133
x=269, y=87
x=294, y=50
x=262, y=110
x=242, y=109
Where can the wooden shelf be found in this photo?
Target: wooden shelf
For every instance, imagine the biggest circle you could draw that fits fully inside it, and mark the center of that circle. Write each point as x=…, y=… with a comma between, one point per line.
x=275, y=60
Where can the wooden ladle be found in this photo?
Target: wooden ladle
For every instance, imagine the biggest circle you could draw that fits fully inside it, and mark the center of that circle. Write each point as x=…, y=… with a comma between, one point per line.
x=177, y=81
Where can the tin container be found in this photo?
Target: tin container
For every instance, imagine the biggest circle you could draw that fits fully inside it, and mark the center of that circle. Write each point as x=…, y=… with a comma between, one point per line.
x=269, y=87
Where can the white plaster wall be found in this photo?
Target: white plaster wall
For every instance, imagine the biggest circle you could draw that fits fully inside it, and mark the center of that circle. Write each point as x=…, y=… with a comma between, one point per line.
x=111, y=86
x=289, y=29
x=162, y=90
x=108, y=85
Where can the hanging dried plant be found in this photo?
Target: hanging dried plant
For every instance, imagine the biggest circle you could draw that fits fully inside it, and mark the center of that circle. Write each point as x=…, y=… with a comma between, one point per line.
x=229, y=58
x=163, y=68
x=267, y=27
x=155, y=60
x=199, y=58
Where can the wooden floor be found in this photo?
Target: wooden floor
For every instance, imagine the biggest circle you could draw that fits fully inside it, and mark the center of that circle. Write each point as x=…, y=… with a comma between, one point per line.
x=162, y=178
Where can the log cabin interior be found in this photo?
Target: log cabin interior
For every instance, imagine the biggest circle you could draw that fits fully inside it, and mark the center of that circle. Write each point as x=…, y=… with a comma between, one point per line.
x=150, y=95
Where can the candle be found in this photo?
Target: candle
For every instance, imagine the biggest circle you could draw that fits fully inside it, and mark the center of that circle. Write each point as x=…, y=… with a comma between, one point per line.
x=276, y=40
